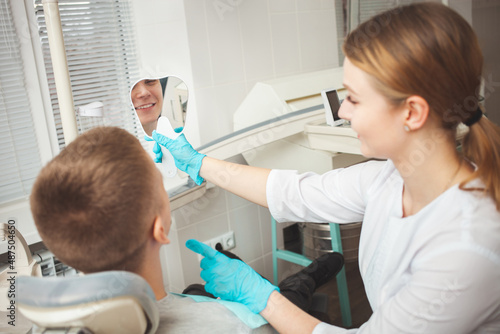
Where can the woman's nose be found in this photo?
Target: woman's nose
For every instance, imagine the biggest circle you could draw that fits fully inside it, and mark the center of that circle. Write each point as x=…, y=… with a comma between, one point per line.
x=345, y=111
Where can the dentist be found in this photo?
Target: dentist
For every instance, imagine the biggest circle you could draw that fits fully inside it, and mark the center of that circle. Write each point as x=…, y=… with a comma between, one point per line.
x=429, y=251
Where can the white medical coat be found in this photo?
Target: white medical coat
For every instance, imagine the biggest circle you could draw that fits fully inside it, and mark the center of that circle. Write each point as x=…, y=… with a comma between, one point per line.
x=437, y=271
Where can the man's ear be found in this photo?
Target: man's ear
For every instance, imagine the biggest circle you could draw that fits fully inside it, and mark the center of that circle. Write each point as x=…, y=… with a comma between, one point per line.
x=417, y=112
x=160, y=234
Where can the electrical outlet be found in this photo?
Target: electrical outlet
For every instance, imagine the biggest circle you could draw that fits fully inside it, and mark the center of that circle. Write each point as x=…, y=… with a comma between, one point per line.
x=227, y=241
x=215, y=241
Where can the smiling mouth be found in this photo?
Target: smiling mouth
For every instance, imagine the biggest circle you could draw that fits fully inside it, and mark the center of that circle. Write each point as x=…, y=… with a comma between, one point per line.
x=145, y=106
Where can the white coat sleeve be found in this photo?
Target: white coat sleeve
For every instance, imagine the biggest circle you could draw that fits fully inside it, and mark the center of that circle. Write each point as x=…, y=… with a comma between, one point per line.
x=337, y=196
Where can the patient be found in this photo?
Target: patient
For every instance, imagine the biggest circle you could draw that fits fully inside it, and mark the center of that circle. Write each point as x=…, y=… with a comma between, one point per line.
x=100, y=205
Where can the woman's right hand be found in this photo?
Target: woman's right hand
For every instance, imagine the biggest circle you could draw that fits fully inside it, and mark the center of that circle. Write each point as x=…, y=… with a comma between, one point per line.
x=187, y=159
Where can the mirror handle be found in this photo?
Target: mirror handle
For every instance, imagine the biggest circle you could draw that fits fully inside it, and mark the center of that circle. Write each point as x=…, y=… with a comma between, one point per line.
x=168, y=163
x=165, y=128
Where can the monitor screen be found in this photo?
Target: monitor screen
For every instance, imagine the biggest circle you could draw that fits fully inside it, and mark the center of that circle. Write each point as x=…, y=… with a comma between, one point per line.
x=332, y=105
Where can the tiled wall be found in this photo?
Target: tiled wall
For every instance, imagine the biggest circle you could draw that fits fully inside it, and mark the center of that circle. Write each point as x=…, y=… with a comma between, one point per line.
x=221, y=48
x=234, y=44
x=163, y=48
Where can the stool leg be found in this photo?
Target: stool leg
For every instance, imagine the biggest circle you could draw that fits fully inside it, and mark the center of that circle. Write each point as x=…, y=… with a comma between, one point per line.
x=345, y=306
x=275, y=250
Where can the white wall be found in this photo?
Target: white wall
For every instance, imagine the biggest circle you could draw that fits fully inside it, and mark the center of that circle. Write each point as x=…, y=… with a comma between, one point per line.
x=221, y=48
x=235, y=44
x=162, y=49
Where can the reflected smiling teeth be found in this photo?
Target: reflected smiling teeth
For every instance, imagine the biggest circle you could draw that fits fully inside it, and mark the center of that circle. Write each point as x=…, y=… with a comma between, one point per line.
x=146, y=106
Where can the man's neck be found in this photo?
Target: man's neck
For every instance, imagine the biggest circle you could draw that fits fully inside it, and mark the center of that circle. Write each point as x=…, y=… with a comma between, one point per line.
x=151, y=272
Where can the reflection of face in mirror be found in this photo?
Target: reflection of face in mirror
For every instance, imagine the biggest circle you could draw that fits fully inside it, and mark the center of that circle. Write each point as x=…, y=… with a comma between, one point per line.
x=154, y=97
x=147, y=98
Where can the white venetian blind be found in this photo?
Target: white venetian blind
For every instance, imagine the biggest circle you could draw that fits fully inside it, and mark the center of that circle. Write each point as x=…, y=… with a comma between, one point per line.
x=19, y=158
x=350, y=13
x=341, y=15
x=369, y=8
x=101, y=57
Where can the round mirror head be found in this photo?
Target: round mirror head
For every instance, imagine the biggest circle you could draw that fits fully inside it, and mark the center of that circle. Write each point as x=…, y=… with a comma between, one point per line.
x=152, y=98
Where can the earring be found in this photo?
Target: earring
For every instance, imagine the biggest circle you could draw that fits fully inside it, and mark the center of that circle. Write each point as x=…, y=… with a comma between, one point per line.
x=407, y=128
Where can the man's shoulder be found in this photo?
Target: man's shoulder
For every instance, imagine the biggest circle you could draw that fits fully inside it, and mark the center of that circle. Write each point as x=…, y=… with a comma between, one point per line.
x=181, y=314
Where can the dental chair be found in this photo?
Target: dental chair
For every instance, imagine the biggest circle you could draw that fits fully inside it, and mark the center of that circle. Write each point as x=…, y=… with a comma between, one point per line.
x=105, y=302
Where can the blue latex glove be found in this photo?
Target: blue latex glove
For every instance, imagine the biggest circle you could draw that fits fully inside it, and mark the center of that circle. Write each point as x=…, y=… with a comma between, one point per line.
x=157, y=148
x=187, y=159
x=232, y=279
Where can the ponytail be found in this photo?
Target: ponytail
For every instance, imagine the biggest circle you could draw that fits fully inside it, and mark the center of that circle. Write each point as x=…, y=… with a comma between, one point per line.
x=481, y=145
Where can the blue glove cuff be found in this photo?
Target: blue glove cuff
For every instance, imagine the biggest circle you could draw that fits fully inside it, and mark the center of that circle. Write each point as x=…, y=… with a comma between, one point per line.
x=266, y=293
x=194, y=167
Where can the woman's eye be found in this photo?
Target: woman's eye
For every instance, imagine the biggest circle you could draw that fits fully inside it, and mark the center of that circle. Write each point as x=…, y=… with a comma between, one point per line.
x=151, y=82
x=349, y=98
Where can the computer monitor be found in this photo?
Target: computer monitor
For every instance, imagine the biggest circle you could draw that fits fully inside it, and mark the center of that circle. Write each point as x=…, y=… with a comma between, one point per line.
x=332, y=105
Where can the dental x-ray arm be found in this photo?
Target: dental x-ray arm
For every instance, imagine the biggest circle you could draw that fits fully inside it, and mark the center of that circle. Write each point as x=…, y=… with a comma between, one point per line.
x=20, y=261
x=18, y=251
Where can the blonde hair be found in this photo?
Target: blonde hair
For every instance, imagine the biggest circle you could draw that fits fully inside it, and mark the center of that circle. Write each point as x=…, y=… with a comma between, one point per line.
x=429, y=50
x=92, y=203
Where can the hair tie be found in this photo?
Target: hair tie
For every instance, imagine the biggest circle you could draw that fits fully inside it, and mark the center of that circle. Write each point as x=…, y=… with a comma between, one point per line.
x=476, y=116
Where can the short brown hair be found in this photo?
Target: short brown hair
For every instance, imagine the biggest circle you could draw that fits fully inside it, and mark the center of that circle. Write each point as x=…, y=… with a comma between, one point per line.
x=92, y=203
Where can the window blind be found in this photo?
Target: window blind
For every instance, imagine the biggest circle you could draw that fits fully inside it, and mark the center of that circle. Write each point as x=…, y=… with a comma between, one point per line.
x=369, y=8
x=100, y=49
x=350, y=13
x=20, y=159
x=341, y=13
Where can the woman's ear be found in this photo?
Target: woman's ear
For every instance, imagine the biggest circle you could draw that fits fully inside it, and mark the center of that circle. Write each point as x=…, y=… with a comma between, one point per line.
x=160, y=233
x=417, y=112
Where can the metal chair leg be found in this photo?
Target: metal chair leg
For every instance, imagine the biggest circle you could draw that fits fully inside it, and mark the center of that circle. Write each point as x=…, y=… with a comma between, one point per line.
x=345, y=305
